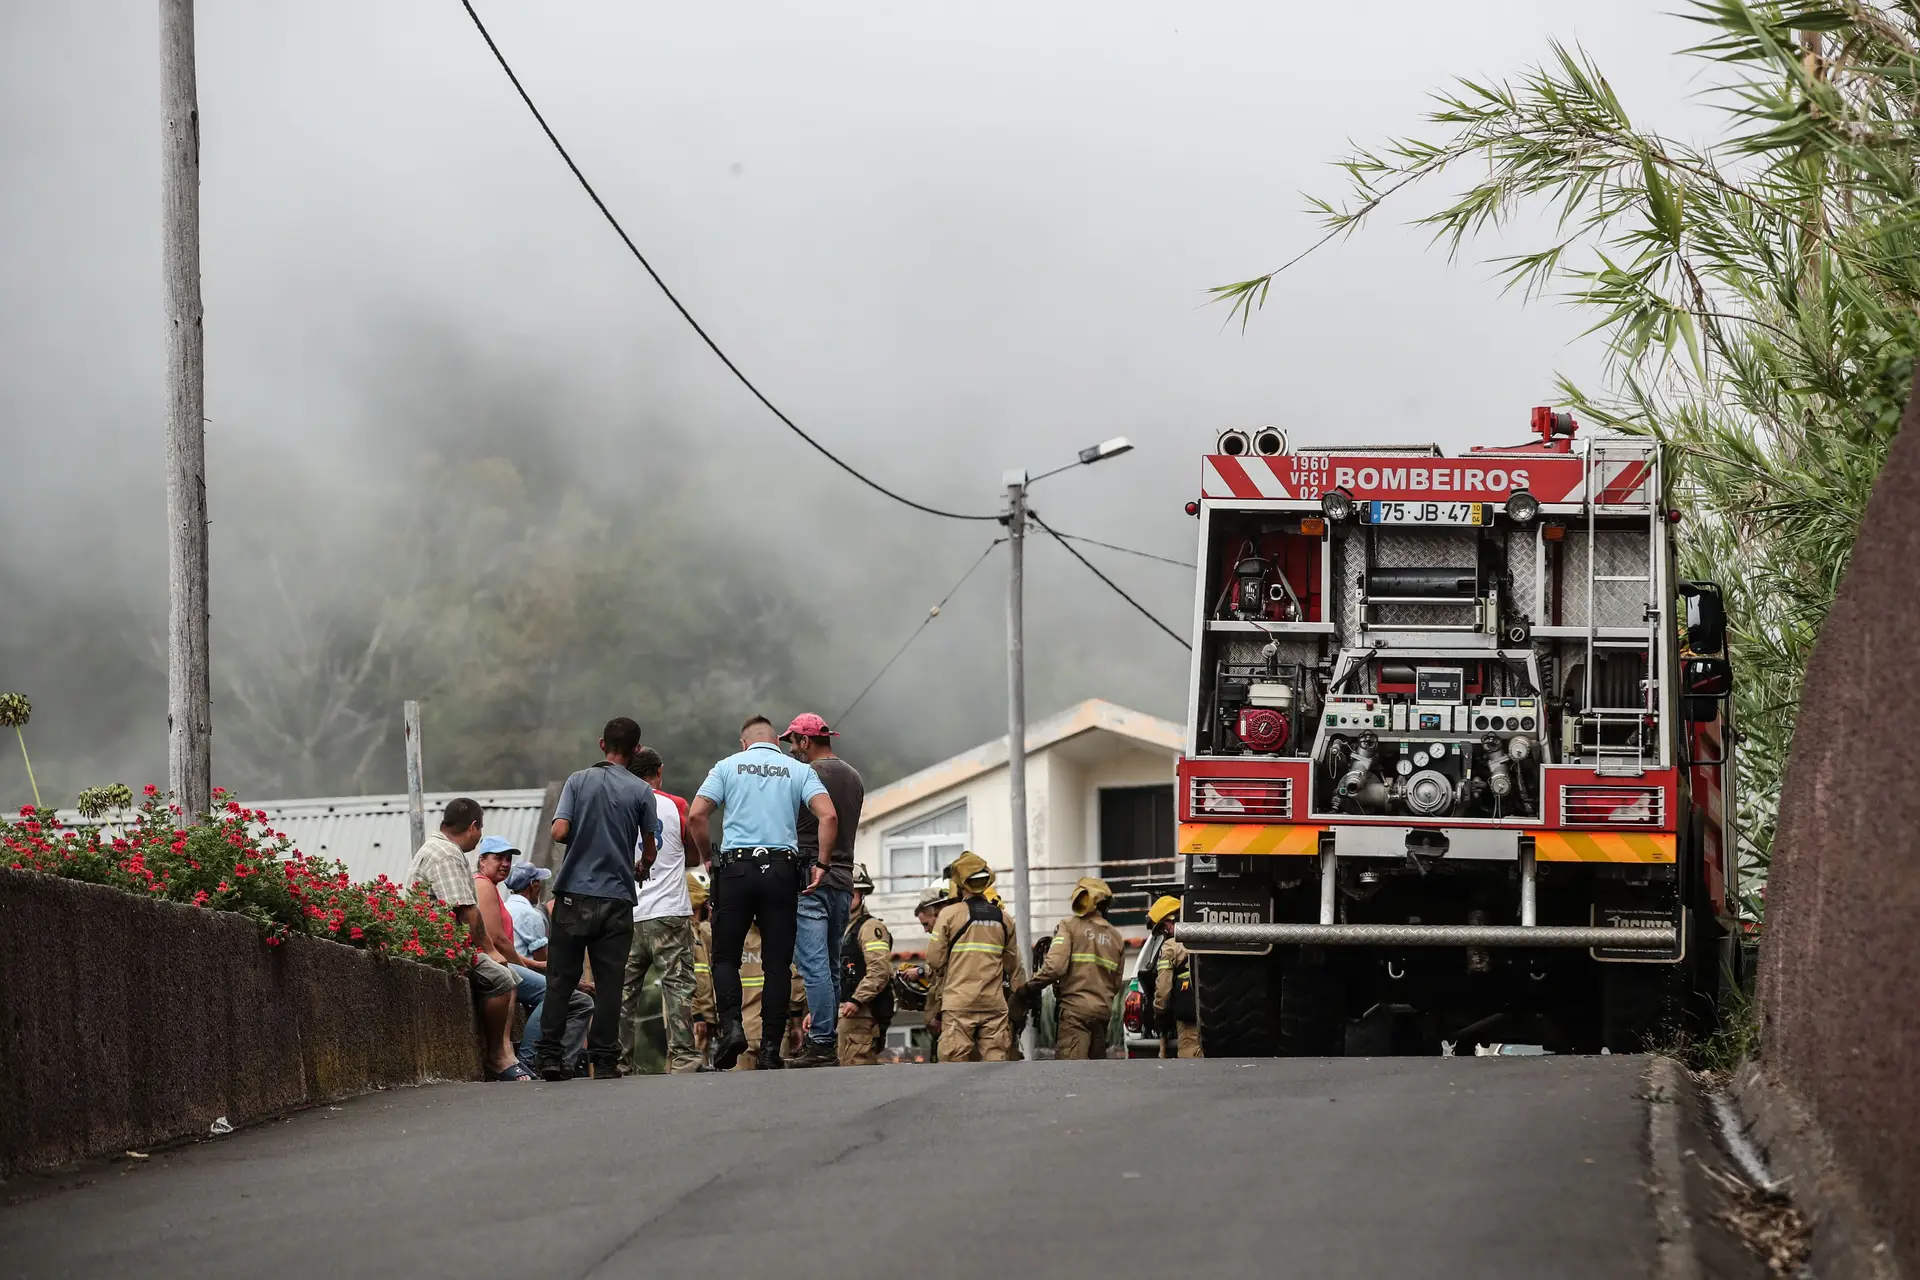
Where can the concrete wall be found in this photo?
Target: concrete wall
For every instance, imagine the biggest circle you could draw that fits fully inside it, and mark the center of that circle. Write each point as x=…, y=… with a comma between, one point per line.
x=1840, y=965
x=125, y=1022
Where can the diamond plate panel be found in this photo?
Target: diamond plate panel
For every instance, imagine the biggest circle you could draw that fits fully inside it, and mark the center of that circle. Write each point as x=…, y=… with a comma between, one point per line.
x=1616, y=552
x=1521, y=571
x=1349, y=556
x=1397, y=548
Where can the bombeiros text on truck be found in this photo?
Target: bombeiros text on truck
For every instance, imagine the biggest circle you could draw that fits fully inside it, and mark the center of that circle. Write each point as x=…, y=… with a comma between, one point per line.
x=1458, y=756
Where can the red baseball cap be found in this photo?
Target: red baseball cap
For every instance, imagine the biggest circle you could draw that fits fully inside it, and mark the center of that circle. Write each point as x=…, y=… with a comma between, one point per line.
x=808, y=725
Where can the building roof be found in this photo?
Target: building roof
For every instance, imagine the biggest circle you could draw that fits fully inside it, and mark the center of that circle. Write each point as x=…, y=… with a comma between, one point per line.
x=1095, y=715
x=369, y=833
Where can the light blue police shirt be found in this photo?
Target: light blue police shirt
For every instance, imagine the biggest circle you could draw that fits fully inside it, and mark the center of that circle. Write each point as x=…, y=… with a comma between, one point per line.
x=762, y=790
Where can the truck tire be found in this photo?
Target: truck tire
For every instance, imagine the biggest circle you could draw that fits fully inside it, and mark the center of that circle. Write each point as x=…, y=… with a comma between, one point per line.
x=1239, y=1016
x=1310, y=1023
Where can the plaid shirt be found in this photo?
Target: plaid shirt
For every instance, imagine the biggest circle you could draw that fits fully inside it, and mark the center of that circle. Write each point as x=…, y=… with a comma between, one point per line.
x=444, y=870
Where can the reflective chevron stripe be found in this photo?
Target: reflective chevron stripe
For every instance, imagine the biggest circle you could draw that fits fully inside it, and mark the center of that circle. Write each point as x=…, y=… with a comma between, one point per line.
x=1603, y=846
x=1252, y=838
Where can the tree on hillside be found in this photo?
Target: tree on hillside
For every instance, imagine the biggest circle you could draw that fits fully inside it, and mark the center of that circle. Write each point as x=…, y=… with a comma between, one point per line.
x=1757, y=295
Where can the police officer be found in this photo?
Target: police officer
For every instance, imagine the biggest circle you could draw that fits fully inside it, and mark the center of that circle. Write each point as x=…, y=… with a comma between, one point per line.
x=757, y=877
x=1084, y=958
x=1173, y=1001
x=866, y=980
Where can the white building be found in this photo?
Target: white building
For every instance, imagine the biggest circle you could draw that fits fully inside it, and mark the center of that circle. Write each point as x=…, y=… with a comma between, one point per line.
x=1099, y=802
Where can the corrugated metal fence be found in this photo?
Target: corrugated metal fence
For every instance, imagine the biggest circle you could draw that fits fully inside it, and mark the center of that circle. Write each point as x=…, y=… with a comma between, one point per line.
x=369, y=833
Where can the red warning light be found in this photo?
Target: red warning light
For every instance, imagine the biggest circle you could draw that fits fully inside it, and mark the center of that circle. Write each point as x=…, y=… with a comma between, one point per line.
x=1193, y=508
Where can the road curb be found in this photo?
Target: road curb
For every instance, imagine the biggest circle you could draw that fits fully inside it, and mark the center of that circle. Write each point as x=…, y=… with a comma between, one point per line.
x=1671, y=1101
x=1847, y=1244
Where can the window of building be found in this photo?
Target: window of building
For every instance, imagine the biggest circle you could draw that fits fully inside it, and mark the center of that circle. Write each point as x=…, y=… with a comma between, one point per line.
x=916, y=853
x=1136, y=824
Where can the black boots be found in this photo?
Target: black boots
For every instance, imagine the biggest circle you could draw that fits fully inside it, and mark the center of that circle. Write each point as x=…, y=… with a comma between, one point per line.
x=815, y=1055
x=769, y=1059
x=728, y=1045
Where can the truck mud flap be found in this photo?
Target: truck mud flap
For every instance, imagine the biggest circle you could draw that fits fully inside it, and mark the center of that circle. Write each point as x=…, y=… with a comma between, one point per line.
x=1227, y=902
x=1617, y=918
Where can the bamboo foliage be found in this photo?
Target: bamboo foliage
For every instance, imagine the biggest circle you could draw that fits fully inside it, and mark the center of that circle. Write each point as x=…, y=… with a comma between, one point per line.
x=1757, y=295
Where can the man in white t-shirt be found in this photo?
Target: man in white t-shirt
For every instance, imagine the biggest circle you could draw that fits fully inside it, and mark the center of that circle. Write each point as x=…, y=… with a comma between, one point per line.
x=662, y=931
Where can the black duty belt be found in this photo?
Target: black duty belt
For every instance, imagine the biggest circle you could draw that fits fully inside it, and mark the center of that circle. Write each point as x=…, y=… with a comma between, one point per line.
x=763, y=855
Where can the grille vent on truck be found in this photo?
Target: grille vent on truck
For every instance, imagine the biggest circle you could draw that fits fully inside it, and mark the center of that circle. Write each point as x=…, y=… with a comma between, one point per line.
x=1240, y=798
x=1591, y=806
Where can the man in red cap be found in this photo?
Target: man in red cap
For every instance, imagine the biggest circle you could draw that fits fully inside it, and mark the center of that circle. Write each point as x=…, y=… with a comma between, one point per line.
x=823, y=912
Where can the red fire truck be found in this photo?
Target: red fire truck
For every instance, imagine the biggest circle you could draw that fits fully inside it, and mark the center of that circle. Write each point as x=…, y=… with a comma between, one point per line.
x=1458, y=764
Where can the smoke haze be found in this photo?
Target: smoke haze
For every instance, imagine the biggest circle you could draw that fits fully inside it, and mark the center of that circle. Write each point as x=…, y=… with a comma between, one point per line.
x=461, y=449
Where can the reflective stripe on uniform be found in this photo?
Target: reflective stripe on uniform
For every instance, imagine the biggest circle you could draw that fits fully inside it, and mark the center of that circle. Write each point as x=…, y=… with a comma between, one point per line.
x=980, y=948
x=754, y=982
x=1102, y=961
x=878, y=946
x=702, y=968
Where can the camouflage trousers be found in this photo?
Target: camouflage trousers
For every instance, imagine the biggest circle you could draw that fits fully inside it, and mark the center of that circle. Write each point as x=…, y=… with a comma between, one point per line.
x=668, y=943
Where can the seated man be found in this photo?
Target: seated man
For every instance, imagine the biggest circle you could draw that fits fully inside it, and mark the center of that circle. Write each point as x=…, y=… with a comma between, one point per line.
x=524, y=885
x=441, y=865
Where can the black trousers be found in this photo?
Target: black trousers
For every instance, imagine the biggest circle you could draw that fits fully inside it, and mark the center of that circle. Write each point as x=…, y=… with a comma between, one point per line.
x=586, y=929
x=767, y=894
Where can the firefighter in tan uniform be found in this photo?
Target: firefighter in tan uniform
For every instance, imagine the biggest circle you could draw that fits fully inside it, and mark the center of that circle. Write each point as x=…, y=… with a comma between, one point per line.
x=1084, y=959
x=973, y=953
x=915, y=986
x=866, y=980
x=1173, y=1000
x=703, y=1003
x=753, y=985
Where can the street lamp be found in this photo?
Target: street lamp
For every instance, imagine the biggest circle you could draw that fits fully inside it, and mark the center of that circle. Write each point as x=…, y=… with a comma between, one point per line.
x=1017, y=483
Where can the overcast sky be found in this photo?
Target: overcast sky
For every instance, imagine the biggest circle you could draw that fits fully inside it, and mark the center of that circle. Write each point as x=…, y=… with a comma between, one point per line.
x=947, y=238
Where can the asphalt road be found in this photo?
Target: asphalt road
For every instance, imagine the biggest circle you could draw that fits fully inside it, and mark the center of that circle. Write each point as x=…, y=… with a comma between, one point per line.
x=1385, y=1167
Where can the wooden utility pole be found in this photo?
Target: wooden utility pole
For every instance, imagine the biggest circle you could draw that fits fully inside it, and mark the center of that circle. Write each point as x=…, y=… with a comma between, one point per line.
x=189, y=686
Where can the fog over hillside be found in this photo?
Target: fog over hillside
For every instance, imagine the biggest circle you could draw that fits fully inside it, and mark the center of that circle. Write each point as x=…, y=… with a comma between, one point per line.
x=461, y=449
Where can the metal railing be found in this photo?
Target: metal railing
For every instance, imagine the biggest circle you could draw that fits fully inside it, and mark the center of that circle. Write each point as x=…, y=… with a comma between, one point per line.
x=1052, y=887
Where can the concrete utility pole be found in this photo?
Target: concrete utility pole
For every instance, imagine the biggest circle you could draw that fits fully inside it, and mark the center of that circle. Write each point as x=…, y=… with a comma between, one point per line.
x=416, y=785
x=1016, y=521
x=189, y=691
x=1016, y=482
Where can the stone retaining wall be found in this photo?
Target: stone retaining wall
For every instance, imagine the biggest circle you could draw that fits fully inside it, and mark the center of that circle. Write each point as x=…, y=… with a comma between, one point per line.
x=1840, y=966
x=126, y=1022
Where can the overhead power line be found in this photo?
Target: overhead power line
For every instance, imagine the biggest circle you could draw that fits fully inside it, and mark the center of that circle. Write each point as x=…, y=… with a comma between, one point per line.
x=924, y=623
x=1111, y=584
x=686, y=315
x=1144, y=555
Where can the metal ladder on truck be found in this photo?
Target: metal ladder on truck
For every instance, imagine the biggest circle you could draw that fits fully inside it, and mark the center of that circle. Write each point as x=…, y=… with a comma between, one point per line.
x=1629, y=759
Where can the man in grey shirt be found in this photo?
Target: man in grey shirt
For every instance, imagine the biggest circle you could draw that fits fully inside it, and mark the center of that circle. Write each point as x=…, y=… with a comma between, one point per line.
x=604, y=814
x=824, y=909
